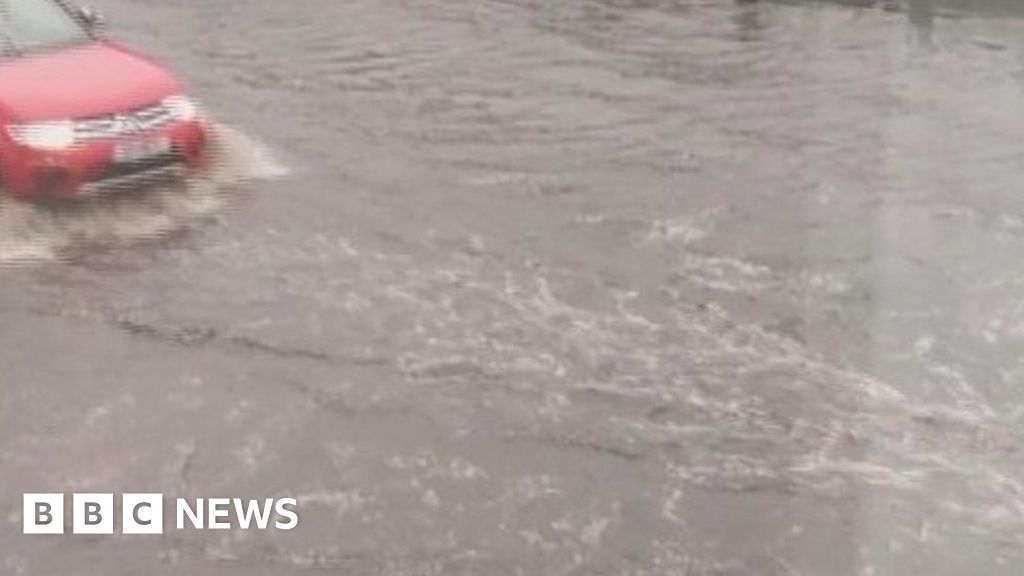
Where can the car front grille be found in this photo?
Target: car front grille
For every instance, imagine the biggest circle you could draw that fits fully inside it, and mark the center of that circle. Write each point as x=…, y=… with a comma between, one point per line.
x=123, y=124
x=137, y=167
x=133, y=175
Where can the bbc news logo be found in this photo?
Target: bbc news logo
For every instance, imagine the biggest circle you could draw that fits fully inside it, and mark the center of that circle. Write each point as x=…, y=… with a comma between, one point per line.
x=144, y=514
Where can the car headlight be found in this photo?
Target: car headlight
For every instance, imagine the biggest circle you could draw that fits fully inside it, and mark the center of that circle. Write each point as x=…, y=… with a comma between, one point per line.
x=57, y=135
x=181, y=107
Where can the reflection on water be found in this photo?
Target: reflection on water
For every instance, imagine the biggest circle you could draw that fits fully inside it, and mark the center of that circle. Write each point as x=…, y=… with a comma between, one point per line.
x=922, y=16
x=748, y=21
x=988, y=8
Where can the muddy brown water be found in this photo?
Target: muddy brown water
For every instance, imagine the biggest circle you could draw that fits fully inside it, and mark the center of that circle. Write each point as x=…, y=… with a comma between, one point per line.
x=521, y=287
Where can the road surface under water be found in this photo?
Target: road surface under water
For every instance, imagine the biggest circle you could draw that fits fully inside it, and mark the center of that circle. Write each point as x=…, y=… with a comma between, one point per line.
x=648, y=287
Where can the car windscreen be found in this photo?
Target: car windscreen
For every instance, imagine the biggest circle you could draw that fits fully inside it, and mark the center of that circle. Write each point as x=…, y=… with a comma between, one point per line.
x=37, y=25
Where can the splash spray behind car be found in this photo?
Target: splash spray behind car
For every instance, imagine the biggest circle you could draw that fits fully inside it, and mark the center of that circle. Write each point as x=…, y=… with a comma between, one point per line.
x=81, y=114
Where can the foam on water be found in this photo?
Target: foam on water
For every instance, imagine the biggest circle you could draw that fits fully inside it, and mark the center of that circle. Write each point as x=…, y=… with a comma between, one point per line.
x=33, y=233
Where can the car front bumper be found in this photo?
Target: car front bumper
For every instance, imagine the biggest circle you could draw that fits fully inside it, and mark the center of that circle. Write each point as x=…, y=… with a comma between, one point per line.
x=87, y=169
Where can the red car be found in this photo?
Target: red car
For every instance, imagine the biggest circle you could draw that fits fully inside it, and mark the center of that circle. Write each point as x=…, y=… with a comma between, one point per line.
x=80, y=114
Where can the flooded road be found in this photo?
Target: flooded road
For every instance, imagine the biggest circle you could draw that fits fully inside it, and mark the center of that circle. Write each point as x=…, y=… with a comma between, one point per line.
x=648, y=287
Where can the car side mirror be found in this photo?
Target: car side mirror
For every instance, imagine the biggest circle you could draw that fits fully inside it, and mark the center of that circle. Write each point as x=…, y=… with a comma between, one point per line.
x=91, y=19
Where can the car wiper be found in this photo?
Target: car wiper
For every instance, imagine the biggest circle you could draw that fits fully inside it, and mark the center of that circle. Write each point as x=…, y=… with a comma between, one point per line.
x=12, y=49
x=54, y=46
x=9, y=49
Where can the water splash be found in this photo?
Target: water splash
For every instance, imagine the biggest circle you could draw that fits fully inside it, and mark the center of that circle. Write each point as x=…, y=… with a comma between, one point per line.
x=33, y=233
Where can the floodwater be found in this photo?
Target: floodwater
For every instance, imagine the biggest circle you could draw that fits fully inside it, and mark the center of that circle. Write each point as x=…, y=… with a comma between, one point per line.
x=645, y=287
